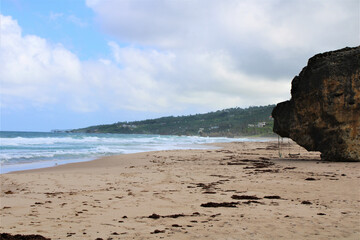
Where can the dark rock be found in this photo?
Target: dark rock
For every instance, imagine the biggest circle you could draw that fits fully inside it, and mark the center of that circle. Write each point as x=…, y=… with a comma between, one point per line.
x=323, y=113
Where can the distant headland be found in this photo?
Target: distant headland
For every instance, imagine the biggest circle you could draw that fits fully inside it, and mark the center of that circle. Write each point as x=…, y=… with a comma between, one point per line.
x=231, y=122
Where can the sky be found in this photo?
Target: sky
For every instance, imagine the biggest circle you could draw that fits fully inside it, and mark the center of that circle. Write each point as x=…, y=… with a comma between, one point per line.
x=67, y=64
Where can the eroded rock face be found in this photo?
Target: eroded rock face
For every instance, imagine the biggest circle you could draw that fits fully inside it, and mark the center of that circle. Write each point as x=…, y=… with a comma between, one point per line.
x=323, y=113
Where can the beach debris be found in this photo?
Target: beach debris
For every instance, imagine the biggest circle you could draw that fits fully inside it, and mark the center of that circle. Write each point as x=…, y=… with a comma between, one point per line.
x=175, y=216
x=7, y=236
x=253, y=201
x=176, y=225
x=209, y=192
x=266, y=170
x=53, y=194
x=222, y=176
x=223, y=204
x=236, y=163
x=262, y=164
x=306, y=202
x=70, y=234
x=257, y=164
x=154, y=216
x=208, y=186
x=245, y=197
x=156, y=231
x=289, y=168
x=272, y=197
x=157, y=216
x=215, y=215
x=323, y=113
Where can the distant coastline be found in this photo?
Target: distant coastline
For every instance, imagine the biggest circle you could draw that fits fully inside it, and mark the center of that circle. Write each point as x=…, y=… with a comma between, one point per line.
x=232, y=122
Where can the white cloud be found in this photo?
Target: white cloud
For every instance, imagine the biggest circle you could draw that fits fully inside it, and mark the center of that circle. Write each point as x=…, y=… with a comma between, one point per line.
x=77, y=21
x=32, y=70
x=177, y=55
x=165, y=80
x=54, y=16
x=70, y=18
x=279, y=33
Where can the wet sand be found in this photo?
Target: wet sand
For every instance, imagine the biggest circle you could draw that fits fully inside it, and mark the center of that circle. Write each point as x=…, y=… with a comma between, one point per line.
x=241, y=191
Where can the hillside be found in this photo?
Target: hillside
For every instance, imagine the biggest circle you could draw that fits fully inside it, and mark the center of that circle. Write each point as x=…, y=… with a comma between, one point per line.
x=228, y=122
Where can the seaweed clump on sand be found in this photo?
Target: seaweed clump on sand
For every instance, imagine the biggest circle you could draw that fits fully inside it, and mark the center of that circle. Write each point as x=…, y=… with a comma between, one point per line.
x=223, y=204
x=7, y=236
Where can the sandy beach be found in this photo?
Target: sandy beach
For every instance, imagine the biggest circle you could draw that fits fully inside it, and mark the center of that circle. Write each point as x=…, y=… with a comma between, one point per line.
x=239, y=191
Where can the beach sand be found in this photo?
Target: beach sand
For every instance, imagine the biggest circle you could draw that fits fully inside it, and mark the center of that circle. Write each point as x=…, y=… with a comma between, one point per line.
x=239, y=191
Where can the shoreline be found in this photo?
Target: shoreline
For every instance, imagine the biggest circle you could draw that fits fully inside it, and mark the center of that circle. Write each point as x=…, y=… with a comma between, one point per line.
x=16, y=167
x=243, y=190
x=109, y=159
x=55, y=163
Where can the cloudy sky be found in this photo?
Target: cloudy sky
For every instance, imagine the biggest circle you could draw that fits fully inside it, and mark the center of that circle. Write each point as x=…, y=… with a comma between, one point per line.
x=67, y=64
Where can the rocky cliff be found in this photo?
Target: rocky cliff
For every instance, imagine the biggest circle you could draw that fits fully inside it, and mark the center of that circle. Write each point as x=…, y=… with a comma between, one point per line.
x=323, y=113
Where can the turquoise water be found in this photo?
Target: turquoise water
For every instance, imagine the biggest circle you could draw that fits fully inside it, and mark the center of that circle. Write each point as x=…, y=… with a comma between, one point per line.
x=29, y=150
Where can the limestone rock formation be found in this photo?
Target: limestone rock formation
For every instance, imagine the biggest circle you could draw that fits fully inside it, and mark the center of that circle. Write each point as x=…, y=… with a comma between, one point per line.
x=323, y=113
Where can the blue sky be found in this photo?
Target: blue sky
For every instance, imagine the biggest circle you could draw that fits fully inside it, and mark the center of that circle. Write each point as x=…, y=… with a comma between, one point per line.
x=68, y=22
x=68, y=64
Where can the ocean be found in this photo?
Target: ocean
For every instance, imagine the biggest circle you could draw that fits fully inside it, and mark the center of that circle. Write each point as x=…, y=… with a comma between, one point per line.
x=31, y=150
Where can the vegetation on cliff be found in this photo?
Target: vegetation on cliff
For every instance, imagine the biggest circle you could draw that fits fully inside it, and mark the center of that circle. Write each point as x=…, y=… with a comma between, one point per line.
x=228, y=122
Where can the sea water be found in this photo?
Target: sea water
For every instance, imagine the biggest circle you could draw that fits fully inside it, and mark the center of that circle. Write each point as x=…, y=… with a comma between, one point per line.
x=30, y=150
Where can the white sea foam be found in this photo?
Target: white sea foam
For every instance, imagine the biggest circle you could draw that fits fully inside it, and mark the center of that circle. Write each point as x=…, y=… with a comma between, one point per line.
x=21, y=141
x=34, y=149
